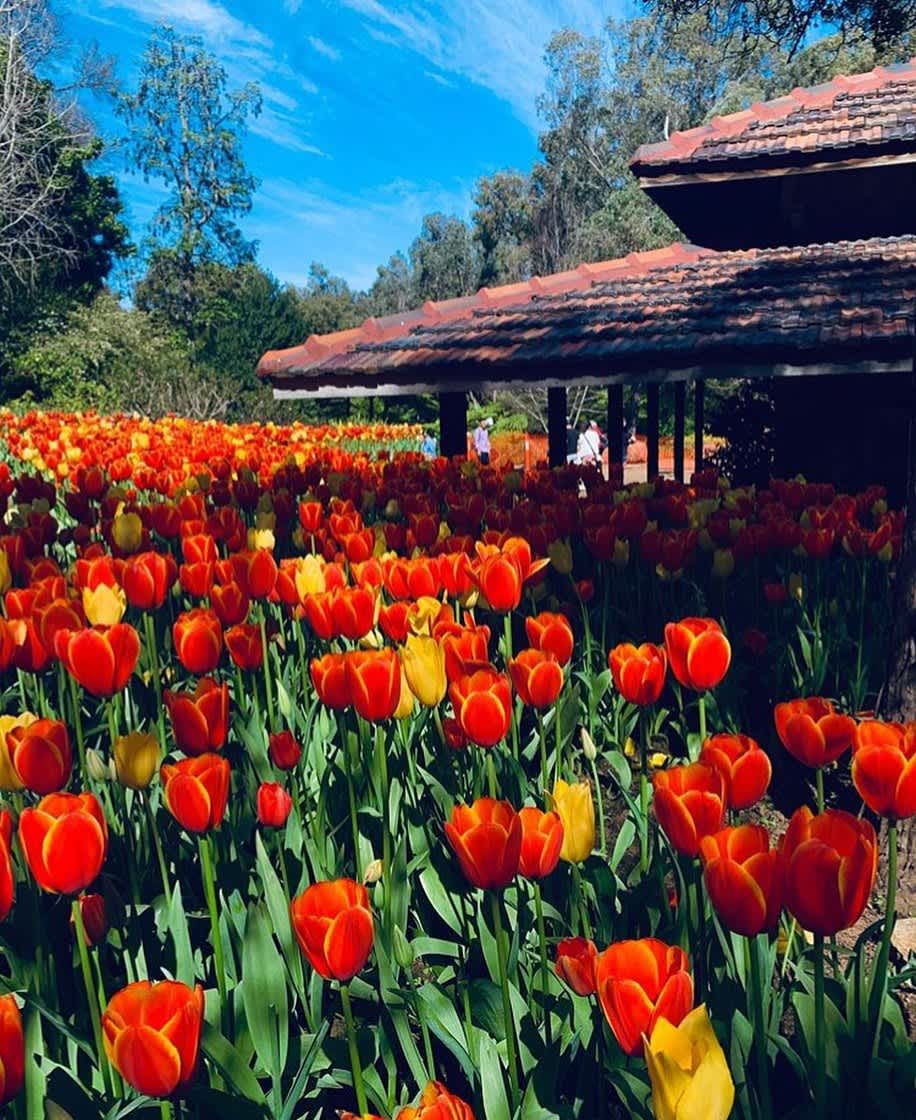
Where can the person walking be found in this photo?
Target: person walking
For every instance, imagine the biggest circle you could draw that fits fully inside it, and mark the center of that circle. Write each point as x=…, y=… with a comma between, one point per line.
x=588, y=447
x=428, y=445
x=482, y=441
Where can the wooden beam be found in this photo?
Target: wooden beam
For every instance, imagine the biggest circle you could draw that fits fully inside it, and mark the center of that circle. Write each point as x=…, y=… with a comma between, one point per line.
x=556, y=426
x=453, y=425
x=699, y=389
x=615, y=448
x=652, y=430
x=647, y=182
x=680, y=408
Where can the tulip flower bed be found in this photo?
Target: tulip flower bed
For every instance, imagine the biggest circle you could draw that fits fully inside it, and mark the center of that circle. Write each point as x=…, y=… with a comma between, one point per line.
x=386, y=788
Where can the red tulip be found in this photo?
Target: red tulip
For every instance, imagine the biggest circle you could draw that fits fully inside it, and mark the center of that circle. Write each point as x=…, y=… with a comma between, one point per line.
x=813, y=731
x=94, y=917
x=689, y=803
x=542, y=839
x=487, y=839
x=147, y=579
x=200, y=719
x=196, y=791
x=483, y=705
x=151, y=1033
x=576, y=959
x=640, y=982
x=196, y=579
x=353, y=612
x=7, y=875
x=464, y=647
x=537, y=677
x=745, y=768
x=698, y=652
x=638, y=672
x=884, y=768
x=199, y=548
x=255, y=572
x=198, y=638
x=41, y=755
x=831, y=861
x=374, y=682
x=437, y=1103
x=64, y=840
x=552, y=633
x=229, y=602
x=102, y=659
x=744, y=878
x=12, y=1050
x=333, y=926
x=244, y=645
x=500, y=582
x=274, y=805
x=284, y=751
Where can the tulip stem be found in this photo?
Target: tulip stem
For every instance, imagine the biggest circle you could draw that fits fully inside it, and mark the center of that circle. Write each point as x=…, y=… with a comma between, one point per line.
x=165, y=1110
x=545, y=972
x=760, y=1039
x=358, y=1086
x=819, y=780
x=351, y=792
x=209, y=883
x=879, y=972
x=602, y=837
x=95, y=1013
x=157, y=843
x=507, y=654
x=491, y=774
x=820, y=1038
x=502, y=953
x=150, y=628
x=644, y=792
x=268, y=685
x=381, y=754
x=542, y=744
x=701, y=712
x=78, y=726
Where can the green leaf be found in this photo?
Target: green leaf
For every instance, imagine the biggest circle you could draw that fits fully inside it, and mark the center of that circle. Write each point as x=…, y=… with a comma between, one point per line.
x=264, y=993
x=278, y=908
x=36, y=1089
x=297, y=1089
x=492, y=1085
x=178, y=927
x=230, y=1064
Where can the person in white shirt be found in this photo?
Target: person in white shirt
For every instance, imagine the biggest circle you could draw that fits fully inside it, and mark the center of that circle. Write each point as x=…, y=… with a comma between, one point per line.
x=588, y=447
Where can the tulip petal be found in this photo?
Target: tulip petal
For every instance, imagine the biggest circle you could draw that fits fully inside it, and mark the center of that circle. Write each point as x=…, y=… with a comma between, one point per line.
x=73, y=850
x=348, y=942
x=147, y=1061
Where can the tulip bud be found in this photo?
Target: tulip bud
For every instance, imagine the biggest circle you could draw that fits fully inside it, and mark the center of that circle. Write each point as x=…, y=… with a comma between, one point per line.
x=274, y=805
x=621, y=557
x=588, y=746
x=94, y=918
x=127, y=532
x=373, y=873
x=403, y=953
x=136, y=759
x=97, y=766
x=284, y=751
x=392, y=510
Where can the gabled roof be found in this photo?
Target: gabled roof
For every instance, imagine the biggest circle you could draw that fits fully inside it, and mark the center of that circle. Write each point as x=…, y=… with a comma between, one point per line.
x=662, y=315
x=850, y=117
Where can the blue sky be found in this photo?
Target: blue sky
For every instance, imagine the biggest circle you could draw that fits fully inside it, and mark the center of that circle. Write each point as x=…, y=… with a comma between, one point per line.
x=376, y=112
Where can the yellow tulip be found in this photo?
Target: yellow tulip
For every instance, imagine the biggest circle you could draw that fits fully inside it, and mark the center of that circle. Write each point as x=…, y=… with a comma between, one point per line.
x=6, y=578
x=104, y=605
x=261, y=538
x=796, y=586
x=127, y=531
x=424, y=667
x=576, y=809
x=689, y=1074
x=9, y=779
x=723, y=563
x=561, y=557
x=406, y=702
x=423, y=614
x=621, y=556
x=309, y=576
x=136, y=758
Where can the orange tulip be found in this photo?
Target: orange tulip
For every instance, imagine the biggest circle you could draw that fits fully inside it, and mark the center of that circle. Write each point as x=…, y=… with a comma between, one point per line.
x=437, y=1103
x=813, y=731
x=638, y=672
x=542, y=839
x=537, y=677
x=884, y=768
x=41, y=755
x=374, y=682
x=745, y=768
x=255, y=572
x=463, y=646
x=151, y=1033
x=230, y=603
x=196, y=579
x=744, y=878
x=101, y=659
x=831, y=861
x=7, y=875
x=200, y=719
x=640, y=982
x=500, y=582
x=198, y=638
x=552, y=633
x=483, y=705
x=12, y=1050
x=576, y=958
x=333, y=926
x=274, y=805
x=147, y=579
x=353, y=612
x=64, y=840
x=487, y=839
x=698, y=652
x=689, y=803
x=329, y=677
x=196, y=791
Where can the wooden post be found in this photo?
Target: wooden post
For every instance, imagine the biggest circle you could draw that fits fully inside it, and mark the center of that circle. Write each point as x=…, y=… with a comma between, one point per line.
x=652, y=429
x=556, y=426
x=680, y=407
x=453, y=425
x=698, y=387
x=615, y=447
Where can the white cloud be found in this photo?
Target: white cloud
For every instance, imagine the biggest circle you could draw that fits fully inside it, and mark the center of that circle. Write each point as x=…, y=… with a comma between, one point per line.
x=440, y=79
x=496, y=45
x=321, y=47
x=206, y=17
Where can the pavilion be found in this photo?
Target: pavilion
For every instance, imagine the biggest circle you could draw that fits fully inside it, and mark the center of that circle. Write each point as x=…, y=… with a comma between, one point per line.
x=801, y=268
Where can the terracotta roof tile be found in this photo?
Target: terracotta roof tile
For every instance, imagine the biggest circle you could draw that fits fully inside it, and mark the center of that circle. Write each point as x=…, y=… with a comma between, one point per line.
x=831, y=121
x=673, y=308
